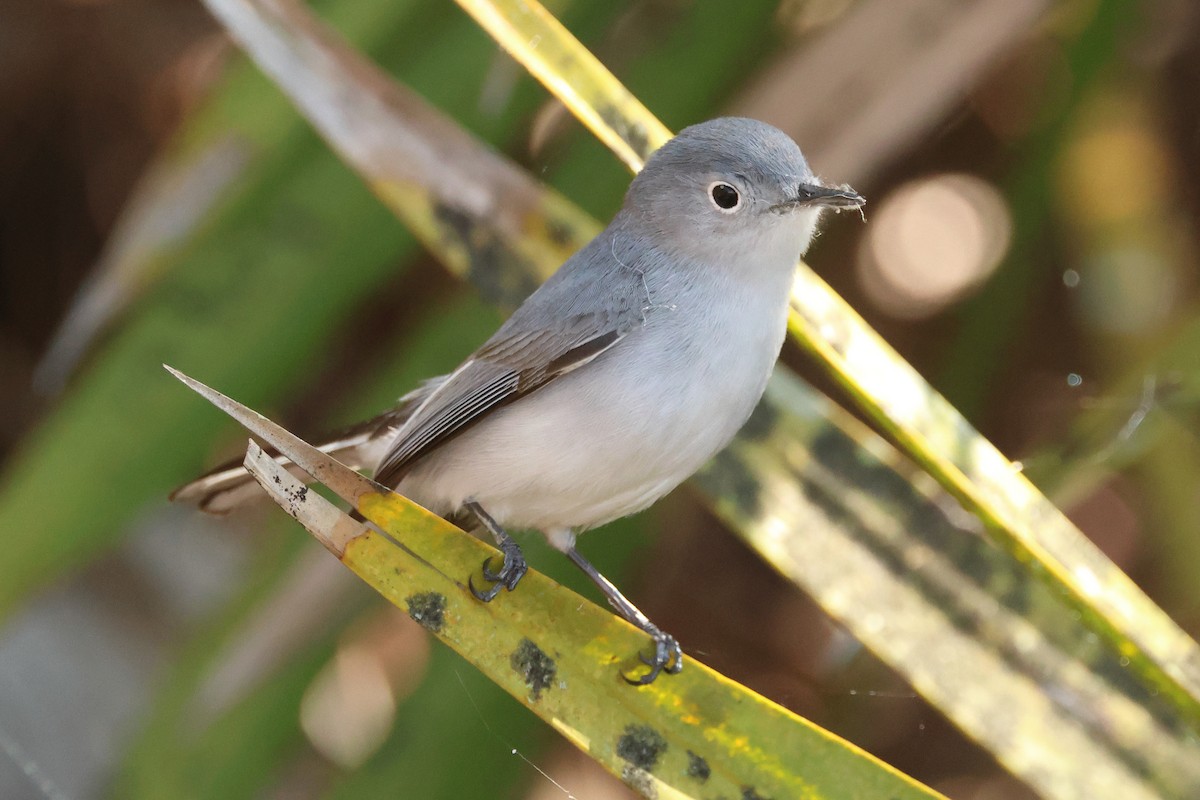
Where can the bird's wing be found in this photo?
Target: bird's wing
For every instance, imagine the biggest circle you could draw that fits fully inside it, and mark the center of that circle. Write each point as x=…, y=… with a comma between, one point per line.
x=505, y=369
x=596, y=299
x=229, y=486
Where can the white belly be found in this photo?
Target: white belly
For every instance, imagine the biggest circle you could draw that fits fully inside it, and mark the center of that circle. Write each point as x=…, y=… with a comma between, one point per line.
x=614, y=436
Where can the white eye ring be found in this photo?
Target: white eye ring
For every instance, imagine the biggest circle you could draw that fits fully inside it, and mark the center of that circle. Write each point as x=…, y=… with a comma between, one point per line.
x=720, y=193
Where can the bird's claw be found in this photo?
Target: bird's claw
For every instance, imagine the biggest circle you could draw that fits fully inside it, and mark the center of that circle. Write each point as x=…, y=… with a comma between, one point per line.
x=507, y=577
x=668, y=656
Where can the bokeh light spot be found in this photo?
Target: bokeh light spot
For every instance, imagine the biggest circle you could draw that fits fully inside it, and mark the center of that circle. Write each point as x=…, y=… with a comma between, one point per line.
x=933, y=240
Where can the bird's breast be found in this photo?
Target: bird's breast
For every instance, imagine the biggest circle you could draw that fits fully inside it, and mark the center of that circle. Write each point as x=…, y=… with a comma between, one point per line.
x=612, y=437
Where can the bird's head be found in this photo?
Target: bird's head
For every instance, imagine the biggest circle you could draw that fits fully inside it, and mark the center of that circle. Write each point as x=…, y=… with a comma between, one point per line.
x=731, y=187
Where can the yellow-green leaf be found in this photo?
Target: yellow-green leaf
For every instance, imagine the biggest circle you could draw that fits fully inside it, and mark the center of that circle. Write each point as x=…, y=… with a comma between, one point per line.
x=774, y=485
x=688, y=735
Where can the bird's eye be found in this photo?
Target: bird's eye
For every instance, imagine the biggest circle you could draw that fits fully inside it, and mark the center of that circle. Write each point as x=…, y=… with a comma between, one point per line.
x=724, y=197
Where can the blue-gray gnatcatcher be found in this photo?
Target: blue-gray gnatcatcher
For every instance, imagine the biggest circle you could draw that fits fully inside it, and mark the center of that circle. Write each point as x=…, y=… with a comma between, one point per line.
x=621, y=375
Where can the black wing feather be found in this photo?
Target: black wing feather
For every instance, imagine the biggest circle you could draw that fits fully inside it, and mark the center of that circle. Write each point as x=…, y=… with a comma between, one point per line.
x=481, y=385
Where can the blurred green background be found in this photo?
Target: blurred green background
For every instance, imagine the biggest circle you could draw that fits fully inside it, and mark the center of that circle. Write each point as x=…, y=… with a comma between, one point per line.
x=1030, y=246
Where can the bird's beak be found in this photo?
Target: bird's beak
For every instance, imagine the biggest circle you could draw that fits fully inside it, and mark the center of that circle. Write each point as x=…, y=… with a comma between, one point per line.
x=839, y=197
x=812, y=194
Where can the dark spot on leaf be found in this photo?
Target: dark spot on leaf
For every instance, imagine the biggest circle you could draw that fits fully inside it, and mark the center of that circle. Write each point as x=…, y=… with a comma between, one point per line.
x=762, y=421
x=726, y=476
x=748, y=793
x=641, y=746
x=561, y=232
x=494, y=269
x=535, y=667
x=697, y=767
x=428, y=609
x=634, y=133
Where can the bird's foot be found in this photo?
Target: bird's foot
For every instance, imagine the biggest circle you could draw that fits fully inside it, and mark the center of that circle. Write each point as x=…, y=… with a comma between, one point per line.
x=668, y=656
x=507, y=577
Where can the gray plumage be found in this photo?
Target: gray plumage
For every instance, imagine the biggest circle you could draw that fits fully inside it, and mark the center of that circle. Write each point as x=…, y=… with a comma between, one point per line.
x=631, y=366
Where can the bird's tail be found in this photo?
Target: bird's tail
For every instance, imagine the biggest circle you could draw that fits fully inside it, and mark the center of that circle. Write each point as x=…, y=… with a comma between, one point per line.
x=229, y=486
x=360, y=447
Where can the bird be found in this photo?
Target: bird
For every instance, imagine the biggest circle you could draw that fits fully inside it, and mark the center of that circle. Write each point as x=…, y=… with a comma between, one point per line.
x=619, y=377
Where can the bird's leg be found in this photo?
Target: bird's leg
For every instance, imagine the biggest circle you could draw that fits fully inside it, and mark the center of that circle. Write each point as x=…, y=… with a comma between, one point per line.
x=514, y=566
x=667, y=653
